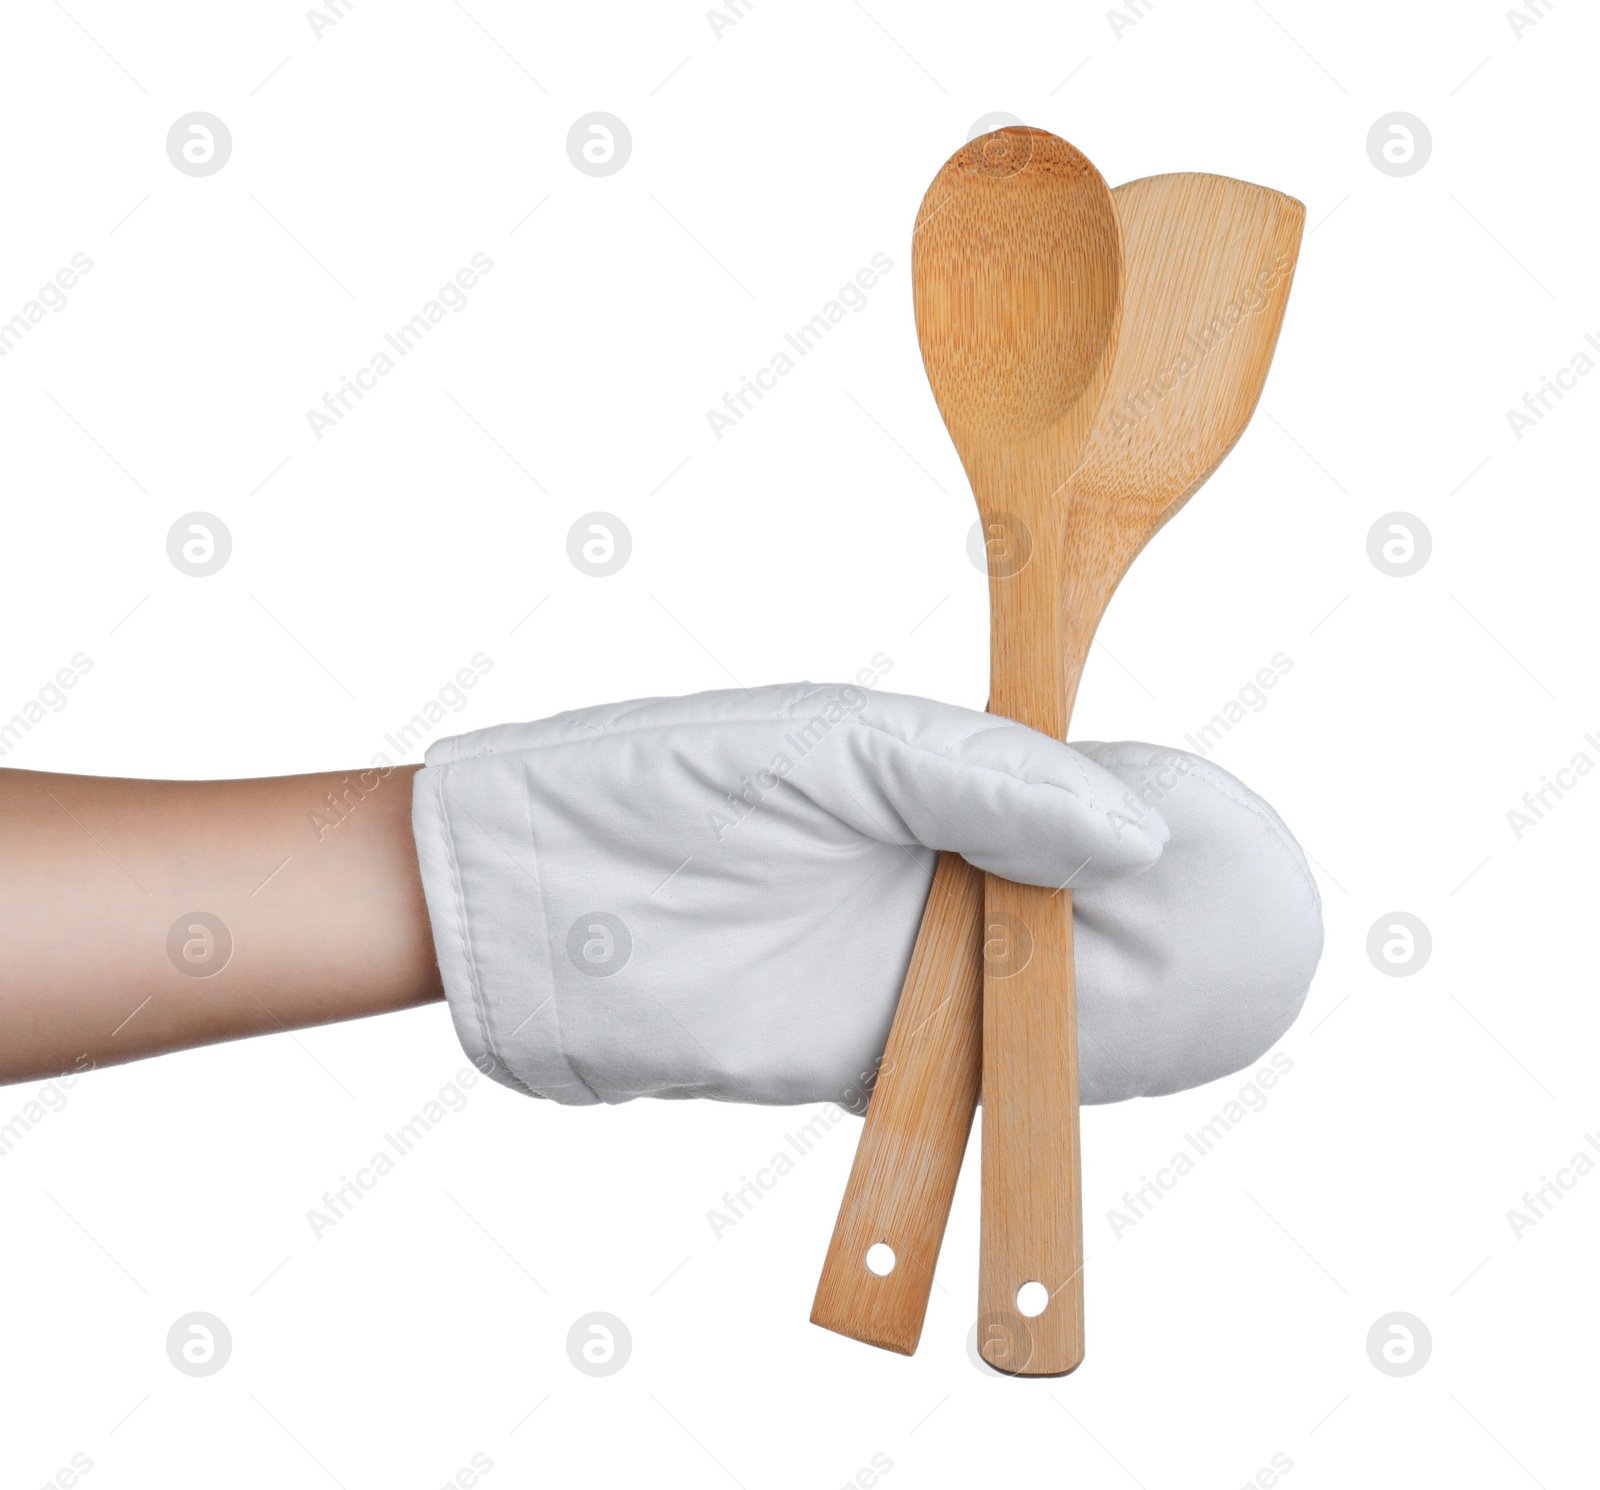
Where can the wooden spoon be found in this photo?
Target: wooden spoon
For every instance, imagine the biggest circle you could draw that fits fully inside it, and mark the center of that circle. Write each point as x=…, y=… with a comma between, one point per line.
x=1208, y=266
x=1016, y=268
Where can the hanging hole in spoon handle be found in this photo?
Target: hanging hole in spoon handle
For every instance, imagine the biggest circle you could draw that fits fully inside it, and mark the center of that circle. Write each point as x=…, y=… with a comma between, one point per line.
x=918, y=1121
x=1032, y=1213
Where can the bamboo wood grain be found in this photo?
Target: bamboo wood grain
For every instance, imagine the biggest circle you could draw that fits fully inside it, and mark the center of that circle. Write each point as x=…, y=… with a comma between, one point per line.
x=916, y=1129
x=1016, y=275
x=1208, y=266
x=1017, y=286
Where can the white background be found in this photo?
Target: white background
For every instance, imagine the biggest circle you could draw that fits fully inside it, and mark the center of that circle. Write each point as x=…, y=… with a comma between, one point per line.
x=767, y=167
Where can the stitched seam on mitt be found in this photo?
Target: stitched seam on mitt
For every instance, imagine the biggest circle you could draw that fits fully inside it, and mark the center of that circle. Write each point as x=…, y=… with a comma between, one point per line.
x=550, y=954
x=463, y=936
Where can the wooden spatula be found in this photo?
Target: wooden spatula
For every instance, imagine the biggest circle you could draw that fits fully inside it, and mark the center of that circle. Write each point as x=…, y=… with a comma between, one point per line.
x=1208, y=265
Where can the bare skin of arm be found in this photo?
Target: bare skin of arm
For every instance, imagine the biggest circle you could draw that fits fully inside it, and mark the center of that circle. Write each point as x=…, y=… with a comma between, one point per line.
x=312, y=881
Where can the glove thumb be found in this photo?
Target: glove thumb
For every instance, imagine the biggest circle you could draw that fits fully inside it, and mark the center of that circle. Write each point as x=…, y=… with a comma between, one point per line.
x=1011, y=801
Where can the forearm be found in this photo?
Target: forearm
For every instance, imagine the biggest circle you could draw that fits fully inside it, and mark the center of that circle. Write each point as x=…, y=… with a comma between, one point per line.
x=102, y=959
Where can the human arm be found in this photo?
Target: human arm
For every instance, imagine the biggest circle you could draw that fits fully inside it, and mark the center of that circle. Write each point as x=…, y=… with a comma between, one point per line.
x=313, y=879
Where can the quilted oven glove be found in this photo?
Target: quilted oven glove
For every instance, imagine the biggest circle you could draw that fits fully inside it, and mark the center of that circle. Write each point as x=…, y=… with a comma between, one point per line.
x=717, y=896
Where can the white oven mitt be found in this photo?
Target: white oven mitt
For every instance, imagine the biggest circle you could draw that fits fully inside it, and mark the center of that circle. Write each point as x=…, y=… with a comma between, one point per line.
x=717, y=896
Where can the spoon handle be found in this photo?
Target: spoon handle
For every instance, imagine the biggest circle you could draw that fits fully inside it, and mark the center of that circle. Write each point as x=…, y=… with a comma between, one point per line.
x=1032, y=1211
x=909, y=1157
x=1014, y=966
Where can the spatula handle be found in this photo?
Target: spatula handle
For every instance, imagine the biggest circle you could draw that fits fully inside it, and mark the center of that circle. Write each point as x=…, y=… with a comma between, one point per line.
x=904, y=1175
